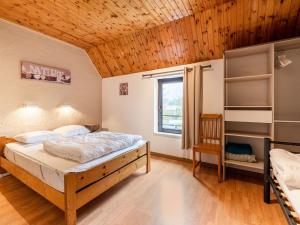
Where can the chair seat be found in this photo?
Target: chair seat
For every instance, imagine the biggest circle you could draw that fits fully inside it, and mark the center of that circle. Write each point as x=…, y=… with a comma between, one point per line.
x=208, y=148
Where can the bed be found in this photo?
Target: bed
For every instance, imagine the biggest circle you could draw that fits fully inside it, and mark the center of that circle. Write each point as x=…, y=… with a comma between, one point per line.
x=68, y=184
x=287, y=197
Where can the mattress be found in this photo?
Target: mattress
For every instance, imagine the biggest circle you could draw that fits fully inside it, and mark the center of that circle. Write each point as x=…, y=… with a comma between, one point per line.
x=51, y=169
x=293, y=194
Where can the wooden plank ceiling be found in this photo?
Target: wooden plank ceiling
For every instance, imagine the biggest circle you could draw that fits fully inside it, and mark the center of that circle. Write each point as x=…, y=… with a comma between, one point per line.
x=127, y=36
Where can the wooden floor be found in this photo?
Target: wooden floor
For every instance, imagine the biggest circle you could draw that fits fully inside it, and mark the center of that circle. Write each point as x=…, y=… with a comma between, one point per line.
x=169, y=195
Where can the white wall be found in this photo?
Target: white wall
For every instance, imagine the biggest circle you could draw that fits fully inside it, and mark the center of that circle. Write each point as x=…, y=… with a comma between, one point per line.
x=135, y=113
x=84, y=93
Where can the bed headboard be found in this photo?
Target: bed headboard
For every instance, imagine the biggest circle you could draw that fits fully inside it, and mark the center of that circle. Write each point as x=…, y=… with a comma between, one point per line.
x=3, y=142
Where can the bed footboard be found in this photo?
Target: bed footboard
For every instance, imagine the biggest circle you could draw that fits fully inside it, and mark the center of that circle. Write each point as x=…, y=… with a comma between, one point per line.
x=81, y=188
x=269, y=182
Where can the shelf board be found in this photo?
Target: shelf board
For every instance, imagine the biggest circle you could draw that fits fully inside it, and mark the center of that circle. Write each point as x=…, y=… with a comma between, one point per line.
x=248, y=78
x=254, y=167
x=247, y=134
x=248, y=106
x=287, y=121
x=248, y=50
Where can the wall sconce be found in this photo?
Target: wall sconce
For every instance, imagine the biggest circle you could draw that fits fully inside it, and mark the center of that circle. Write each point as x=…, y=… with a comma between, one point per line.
x=29, y=105
x=30, y=108
x=65, y=105
x=65, y=108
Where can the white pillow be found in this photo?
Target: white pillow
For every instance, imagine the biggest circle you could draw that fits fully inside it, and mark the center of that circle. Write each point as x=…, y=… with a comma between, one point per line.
x=71, y=130
x=35, y=136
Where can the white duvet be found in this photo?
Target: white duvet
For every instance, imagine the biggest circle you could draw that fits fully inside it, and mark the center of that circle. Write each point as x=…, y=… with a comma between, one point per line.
x=288, y=165
x=84, y=148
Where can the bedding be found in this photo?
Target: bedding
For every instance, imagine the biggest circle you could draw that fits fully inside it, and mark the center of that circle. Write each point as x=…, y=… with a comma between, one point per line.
x=84, y=148
x=35, y=136
x=240, y=157
x=72, y=130
x=293, y=194
x=51, y=169
x=288, y=165
x=236, y=148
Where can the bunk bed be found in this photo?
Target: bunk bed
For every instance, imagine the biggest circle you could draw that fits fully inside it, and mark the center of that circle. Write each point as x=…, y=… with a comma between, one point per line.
x=288, y=200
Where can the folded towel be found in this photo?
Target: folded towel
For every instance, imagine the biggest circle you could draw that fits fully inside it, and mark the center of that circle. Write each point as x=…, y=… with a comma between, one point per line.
x=84, y=148
x=289, y=166
x=235, y=148
x=240, y=157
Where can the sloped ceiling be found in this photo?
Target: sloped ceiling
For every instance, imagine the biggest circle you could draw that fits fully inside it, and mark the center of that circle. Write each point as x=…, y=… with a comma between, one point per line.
x=126, y=36
x=85, y=23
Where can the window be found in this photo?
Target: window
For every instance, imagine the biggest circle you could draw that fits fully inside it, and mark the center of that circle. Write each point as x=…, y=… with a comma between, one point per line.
x=170, y=92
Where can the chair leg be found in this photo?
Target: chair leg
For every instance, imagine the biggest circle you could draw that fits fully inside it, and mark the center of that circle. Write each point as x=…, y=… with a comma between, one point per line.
x=224, y=171
x=199, y=159
x=194, y=162
x=219, y=167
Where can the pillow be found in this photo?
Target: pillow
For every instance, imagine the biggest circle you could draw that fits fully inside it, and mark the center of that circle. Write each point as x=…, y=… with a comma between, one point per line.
x=35, y=136
x=71, y=130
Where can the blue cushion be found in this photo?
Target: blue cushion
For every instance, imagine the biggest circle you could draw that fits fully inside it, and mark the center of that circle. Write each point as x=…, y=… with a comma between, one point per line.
x=236, y=148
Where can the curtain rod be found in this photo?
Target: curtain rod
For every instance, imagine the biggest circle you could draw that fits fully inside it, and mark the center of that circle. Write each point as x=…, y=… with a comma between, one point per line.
x=204, y=67
x=172, y=72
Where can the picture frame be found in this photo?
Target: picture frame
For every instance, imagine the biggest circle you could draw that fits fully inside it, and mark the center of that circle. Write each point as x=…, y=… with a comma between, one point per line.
x=123, y=89
x=34, y=71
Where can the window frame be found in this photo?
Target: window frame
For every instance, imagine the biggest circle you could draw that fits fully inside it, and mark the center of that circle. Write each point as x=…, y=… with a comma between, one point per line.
x=160, y=104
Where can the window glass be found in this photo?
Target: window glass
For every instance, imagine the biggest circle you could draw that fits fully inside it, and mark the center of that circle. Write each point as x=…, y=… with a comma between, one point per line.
x=170, y=94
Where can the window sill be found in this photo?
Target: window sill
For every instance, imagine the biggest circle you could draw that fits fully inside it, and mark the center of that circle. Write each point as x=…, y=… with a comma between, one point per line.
x=167, y=134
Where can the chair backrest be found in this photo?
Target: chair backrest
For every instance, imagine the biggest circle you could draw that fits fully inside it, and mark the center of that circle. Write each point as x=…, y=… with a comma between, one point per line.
x=211, y=128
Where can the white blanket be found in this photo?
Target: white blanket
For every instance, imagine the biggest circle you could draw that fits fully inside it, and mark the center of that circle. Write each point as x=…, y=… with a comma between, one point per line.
x=289, y=166
x=84, y=148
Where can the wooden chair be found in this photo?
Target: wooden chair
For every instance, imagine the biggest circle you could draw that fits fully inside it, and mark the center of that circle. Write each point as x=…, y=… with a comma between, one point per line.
x=210, y=139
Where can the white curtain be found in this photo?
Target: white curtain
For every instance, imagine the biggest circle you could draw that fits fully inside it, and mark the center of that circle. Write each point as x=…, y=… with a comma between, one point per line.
x=192, y=106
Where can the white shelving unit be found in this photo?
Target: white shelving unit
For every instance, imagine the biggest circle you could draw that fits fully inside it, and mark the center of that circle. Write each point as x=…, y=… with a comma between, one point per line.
x=246, y=115
x=257, y=167
x=248, y=106
x=261, y=101
x=249, y=102
x=248, y=78
x=247, y=134
x=287, y=92
x=287, y=121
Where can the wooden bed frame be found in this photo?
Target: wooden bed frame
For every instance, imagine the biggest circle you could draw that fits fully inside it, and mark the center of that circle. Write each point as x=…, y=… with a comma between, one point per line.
x=82, y=187
x=269, y=181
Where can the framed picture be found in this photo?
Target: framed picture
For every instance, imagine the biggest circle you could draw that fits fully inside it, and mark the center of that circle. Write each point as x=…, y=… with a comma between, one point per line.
x=35, y=71
x=123, y=89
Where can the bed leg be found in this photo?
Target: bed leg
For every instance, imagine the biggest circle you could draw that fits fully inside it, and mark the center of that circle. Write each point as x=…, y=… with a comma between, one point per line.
x=267, y=146
x=3, y=172
x=267, y=192
x=148, y=166
x=70, y=199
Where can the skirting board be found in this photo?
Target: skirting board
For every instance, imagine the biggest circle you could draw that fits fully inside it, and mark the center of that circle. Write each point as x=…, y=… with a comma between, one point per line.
x=171, y=157
x=181, y=159
x=206, y=164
